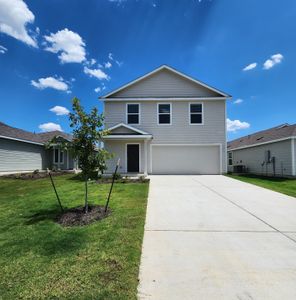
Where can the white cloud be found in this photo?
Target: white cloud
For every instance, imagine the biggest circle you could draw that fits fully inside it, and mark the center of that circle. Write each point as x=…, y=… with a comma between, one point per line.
x=96, y=73
x=107, y=65
x=68, y=44
x=3, y=49
x=234, y=125
x=60, y=110
x=250, y=67
x=50, y=127
x=51, y=82
x=98, y=89
x=272, y=61
x=14, y=17
x=238, y=101
x=110, y=56
x=92, y=61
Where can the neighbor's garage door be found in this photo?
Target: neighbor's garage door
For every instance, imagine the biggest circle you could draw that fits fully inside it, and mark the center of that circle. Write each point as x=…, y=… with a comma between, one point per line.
x=172, y=159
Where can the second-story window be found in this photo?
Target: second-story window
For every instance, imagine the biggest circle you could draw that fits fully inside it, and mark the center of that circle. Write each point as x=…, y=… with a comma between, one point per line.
x=133, y=113
x=164, y=113
x=195, y=113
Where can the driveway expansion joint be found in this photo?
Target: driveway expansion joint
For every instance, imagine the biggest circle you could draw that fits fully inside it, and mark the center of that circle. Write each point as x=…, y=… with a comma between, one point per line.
x=245, y=210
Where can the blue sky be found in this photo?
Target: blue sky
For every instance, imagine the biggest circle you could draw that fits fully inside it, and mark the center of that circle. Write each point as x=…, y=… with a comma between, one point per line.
x=53, y=50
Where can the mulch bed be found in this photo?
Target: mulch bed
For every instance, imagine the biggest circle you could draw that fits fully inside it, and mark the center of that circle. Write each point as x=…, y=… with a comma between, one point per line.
x=122, y=180
x=33, y=175
x=77, y=216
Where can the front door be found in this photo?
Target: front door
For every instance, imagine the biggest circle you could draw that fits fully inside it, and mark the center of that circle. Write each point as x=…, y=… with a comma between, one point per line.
x=133, y=157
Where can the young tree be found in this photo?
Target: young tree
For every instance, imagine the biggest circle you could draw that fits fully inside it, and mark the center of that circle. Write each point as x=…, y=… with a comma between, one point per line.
x=87, y=134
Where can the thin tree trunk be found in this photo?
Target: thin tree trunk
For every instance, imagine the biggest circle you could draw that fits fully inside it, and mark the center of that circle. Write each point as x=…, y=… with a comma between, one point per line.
x=86, y=200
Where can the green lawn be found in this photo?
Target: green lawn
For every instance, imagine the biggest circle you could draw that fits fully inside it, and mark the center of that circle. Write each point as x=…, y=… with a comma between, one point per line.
x=282, y=185
x=39, y=259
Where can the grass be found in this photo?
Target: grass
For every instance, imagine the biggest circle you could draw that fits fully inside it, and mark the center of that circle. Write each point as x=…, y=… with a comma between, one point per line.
x=283, y=185
x=39, y=259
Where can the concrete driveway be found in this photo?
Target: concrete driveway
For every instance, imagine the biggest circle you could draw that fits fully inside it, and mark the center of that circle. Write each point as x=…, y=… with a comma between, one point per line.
x=213, y=237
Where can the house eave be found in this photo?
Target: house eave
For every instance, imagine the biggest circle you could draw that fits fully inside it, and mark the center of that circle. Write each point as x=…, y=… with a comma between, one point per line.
x=21, y=140
x=165, y=99
x=128, y=137
x=263, y=143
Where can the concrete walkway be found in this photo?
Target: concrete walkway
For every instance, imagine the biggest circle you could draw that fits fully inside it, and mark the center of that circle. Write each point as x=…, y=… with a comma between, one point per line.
x=213, y=237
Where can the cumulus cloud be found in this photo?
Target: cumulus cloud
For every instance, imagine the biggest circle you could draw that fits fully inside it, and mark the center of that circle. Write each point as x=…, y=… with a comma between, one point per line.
x=238, y=101
x=3, y=49
x=51, y=82
x=250, y=67
x=272, y=61
x=50, y=127
x=98, y=89
x=14, y=18
x=68, y=44
x=98, y=73
x=60, y=110
x=234, y=125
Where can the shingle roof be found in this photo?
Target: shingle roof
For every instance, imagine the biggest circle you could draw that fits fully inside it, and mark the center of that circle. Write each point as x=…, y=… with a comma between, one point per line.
x=42, y=138
x=268, y=135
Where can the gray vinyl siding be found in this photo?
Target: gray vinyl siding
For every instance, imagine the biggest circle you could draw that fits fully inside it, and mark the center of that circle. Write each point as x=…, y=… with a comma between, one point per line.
x=253, y=157
x=118, y=149
x=180, y=132
x=20, y=156
x=165, y=84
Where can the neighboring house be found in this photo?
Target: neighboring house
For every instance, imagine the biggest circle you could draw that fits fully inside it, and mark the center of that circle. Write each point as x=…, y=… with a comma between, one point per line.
x=166, y=122
x=22, y=151
x=267, y=152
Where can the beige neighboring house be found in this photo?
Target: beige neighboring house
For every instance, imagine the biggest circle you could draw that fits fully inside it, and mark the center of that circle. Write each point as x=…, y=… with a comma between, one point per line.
x=269, y=152
x=166, y=122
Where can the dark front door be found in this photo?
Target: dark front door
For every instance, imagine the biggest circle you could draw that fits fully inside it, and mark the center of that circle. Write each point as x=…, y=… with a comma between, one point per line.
x=133, y=158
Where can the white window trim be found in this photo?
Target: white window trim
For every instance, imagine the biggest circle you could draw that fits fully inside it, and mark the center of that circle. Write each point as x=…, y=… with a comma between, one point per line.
x=139, y=114
x=140, y=166
x=202, y=114
x=171, y=114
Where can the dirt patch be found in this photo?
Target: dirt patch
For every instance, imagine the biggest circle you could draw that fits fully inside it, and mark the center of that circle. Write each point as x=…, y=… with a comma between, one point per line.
x=33, y=175
x=77, y=216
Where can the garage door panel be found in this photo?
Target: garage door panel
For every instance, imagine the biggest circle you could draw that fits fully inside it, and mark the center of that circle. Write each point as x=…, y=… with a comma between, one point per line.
x=168, y=159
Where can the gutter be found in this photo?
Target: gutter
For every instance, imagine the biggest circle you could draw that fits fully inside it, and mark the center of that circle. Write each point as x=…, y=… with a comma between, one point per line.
x=20, y=140
x=264, y=143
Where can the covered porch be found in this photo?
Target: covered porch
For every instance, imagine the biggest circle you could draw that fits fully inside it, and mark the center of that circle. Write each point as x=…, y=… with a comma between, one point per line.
x=131, y=146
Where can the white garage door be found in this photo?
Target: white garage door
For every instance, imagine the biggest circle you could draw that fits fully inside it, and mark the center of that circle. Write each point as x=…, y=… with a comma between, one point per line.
x=181, y=159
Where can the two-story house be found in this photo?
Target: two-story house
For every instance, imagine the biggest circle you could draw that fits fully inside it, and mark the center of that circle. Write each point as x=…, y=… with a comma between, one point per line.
x=166, y=122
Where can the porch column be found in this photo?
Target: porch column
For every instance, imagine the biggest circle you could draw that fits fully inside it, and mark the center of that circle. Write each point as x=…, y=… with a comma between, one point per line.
x=67, y=159
x=145, y=158
x=59, y=155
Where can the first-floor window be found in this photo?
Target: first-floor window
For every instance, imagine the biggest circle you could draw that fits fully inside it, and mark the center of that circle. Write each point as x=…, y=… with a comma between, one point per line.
x=58, y=156
x=230, y=158
x=195, y=110
x=133, y=113
x=164, y=113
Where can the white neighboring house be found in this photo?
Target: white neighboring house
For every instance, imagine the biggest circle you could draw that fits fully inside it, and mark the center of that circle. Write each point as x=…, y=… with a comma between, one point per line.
x=270, y=152
x=166, y=122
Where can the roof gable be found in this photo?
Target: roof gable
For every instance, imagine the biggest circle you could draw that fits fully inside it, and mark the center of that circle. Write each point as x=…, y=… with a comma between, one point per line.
x=123, y=129
x=9, y=132
x=165, y=82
